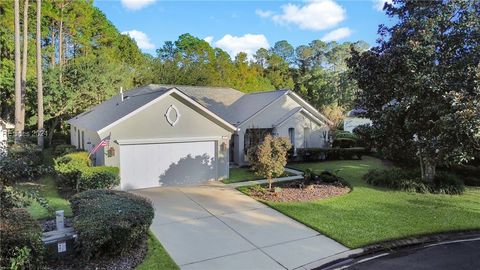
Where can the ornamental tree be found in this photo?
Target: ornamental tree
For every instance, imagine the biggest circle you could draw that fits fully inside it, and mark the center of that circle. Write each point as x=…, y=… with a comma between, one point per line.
x=420, y=84
x=269, y=158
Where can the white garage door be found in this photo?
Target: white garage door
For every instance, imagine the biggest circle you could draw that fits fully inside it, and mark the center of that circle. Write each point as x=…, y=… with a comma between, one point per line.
x=167, y=164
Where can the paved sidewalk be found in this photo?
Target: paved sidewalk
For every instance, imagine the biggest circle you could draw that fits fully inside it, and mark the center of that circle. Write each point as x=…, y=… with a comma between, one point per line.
x=216, y=227
x=298, y=175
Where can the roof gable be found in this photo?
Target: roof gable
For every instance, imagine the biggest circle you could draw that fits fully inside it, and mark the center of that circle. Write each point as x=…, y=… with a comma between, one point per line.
x=113, y=111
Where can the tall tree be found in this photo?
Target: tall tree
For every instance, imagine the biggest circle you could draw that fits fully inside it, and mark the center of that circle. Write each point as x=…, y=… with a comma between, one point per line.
x=24, y=60
x=40, y=129
x=420, y=84
x=18, y=86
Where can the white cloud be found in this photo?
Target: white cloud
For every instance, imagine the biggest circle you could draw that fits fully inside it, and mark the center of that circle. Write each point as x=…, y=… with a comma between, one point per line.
x=337, y=34
x=378, y=4
x=143, y=41
x=136, y=4
x=264, y=13
x=314, y=15
x=209, y=39
x=248, y=43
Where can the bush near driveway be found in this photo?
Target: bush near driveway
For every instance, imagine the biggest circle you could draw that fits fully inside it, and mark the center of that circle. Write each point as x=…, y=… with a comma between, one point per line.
x=110, y=222
x=75, y=171
x=371, y=214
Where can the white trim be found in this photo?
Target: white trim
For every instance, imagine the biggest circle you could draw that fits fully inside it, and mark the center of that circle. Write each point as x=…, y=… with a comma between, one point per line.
x=169, y=92
x=308, y=114
x=310, y=107
x=167, y=140
x=287, y=116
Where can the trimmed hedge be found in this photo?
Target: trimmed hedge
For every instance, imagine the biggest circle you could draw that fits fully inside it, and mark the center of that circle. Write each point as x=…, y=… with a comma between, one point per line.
x=110, y=222
x=98, y=177
x=75, y=171
x=21, y=242
x=399, y=179
x=331, y=153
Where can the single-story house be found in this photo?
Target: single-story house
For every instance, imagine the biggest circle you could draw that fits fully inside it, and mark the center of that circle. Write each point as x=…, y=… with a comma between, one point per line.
x=4, y=127
x=354, y=119
x=161, y=135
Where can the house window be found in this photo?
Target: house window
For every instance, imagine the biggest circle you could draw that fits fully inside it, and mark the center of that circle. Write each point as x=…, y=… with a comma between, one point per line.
x=83, y=140
x=78, y=139
x=306, y=137
x=255, y=136
x=291, y=135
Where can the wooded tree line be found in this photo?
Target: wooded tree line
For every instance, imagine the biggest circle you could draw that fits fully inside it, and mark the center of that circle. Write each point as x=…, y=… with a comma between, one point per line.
x=85, y=60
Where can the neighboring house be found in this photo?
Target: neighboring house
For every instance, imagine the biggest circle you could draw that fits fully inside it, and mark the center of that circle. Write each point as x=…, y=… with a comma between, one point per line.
x=173, y=135
x=4, y=127
x=354, y=119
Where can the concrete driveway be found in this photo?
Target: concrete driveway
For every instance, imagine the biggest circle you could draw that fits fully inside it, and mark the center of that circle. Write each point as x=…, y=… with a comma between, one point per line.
x=216, y=227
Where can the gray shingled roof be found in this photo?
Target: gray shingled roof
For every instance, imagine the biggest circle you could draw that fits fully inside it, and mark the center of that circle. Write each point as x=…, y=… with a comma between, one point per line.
x=231, y=105
x=113, y=109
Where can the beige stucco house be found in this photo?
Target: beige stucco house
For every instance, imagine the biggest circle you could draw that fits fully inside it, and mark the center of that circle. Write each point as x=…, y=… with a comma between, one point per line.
x=163, y=135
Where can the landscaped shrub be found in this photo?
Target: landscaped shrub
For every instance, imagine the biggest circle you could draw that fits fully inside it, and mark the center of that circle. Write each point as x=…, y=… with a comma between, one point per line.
x=63, y=149
x=468, y=173
x=110, y=222
x=21, y=242
x=269, y=158
x=329, y=177
x=69, y=168
x=400, y=179
x=98, y=177
x=365, y=137
x=447, y=183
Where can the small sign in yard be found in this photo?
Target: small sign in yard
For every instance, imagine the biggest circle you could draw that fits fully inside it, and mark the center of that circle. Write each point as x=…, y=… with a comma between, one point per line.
x=62, y=247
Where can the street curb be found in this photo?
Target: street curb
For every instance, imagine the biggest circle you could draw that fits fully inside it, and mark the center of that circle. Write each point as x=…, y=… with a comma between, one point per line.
x=393, y=245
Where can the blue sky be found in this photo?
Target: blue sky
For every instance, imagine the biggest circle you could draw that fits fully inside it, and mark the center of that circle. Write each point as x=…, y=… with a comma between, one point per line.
x=245, y=25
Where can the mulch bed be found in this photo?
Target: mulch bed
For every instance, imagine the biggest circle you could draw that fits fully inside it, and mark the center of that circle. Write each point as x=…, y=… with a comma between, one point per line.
x=293, y=192
x=51, y=225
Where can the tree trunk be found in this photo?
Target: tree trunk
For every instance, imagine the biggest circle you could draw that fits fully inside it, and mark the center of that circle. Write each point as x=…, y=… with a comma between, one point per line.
x=18, y=90
x=24, y=60
x=41, y=131
x=270, y=181
x=60, y=45
x=52, y=58
x=429, y=171
x=54, y=125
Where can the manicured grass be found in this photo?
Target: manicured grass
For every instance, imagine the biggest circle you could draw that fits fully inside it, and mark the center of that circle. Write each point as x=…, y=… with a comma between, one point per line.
x=368, y=214
x=245, y=174
x=157, y=257
x=47, y=189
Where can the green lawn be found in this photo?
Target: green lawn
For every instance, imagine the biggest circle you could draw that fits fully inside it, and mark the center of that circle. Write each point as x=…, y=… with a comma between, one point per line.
x=157, y=257
x=368, y=214
x=47, y=189
x=244, y=174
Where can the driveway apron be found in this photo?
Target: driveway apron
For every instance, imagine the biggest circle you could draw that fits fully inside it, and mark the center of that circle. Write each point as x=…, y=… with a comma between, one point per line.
x=216, y=227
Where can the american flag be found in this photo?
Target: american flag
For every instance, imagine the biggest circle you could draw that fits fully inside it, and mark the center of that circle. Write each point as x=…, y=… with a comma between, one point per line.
x=103, y=143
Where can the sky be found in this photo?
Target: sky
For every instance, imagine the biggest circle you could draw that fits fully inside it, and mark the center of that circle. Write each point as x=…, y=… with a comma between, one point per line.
x=246, y=26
